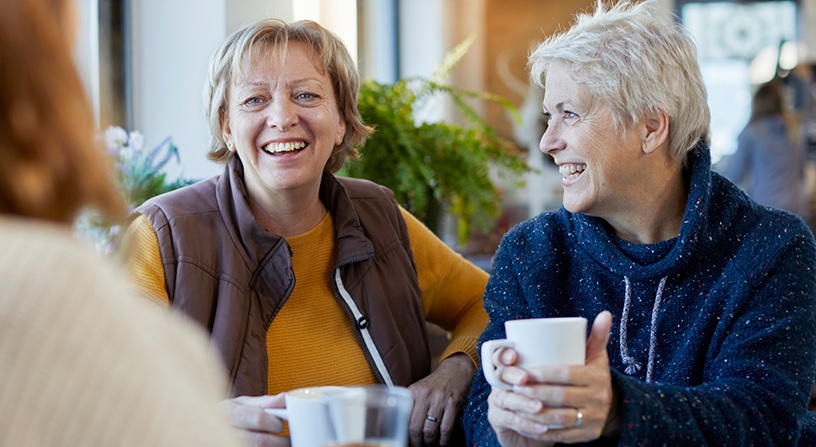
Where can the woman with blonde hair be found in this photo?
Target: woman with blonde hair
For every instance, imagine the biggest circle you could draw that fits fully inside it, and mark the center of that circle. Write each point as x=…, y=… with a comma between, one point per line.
x=712, y=296
x=78, y=367
x=304, y=278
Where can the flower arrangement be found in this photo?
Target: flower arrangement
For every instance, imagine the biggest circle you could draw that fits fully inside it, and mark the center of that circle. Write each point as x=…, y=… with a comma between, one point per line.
x=139, y=175
x=139, y=172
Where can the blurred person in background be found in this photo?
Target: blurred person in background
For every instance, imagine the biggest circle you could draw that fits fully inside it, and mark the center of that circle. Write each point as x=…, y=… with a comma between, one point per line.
x=768, y=164
x=712, y=296
x=304, y=278
x=83, y=362
x=802, y=86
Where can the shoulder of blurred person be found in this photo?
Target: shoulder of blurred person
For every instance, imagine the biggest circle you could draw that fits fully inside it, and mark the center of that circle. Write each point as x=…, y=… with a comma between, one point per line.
x=86, y=363
x=83, y=361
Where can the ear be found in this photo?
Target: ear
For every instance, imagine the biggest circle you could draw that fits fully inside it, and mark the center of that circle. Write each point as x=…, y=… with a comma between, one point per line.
x=341, y=131
x=655, y=131
x=226, y=132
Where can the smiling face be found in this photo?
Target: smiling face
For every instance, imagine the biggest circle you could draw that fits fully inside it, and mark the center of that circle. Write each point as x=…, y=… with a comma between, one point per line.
x=601, y=169
x=283, y=121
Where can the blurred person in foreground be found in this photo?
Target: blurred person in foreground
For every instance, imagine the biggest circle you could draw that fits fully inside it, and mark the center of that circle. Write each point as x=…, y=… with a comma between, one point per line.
x=712, y=296
x=767, y=163
x=304, y=278
x=83, y=362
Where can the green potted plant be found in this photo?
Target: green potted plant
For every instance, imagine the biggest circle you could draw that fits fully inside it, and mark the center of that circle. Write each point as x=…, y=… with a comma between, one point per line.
x=435, y=166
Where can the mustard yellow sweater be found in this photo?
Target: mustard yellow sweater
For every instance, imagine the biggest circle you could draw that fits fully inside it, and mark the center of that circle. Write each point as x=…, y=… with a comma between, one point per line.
x=314, y=343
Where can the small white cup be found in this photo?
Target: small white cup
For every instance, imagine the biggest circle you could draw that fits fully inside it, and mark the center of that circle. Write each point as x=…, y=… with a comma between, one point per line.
x=538, y=341
x=308, y=416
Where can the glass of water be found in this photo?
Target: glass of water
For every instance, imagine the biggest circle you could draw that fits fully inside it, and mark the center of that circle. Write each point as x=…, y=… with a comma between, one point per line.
x=375, y=415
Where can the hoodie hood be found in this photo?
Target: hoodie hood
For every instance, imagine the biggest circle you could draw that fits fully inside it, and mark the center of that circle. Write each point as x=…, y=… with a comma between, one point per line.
x=699, y=232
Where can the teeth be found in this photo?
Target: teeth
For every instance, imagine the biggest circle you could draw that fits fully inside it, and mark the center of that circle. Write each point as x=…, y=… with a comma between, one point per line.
x=571, y=171
x=274, y=148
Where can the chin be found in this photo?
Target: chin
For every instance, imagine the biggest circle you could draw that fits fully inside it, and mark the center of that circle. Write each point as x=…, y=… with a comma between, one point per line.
x=576, y=207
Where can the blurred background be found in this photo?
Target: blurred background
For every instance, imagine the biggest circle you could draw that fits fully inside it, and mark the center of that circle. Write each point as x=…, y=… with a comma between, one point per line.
x=144, y=63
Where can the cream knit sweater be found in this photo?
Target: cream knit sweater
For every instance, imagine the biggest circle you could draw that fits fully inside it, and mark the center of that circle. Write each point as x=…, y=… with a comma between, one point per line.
x=85, y=363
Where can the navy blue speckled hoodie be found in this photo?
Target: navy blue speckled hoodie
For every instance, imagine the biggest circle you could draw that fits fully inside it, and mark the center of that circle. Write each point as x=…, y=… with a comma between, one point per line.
x=733, y=356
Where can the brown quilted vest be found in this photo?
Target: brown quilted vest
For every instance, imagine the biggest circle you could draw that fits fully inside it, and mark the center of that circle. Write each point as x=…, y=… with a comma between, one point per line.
x=232, y=276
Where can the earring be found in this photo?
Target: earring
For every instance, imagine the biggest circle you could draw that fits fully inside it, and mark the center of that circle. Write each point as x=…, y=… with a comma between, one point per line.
x=229, y=146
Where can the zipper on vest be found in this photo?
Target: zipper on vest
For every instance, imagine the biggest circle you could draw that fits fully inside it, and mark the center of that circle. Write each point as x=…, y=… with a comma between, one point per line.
x=361, y=332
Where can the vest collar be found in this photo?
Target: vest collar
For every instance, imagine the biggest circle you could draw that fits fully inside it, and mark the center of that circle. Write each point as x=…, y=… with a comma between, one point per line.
x=256, y=241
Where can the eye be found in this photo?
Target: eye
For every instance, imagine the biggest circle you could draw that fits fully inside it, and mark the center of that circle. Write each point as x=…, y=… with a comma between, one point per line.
x=305, y=96
x=251, y=101
x=569, y=115
x=547, y=116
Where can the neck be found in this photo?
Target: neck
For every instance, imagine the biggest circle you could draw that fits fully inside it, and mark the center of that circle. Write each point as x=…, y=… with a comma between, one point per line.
x=288, y=213
x=658, y=212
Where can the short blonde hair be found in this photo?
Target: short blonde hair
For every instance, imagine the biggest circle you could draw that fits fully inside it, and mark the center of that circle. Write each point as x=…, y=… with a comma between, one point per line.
x=246, y=44
x=639, y=61
x=51, y=163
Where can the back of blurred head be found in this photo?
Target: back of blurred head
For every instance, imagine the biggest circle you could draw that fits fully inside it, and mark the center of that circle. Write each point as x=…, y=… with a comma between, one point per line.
x=636, y=59
x=50, y=163
x=767, y=101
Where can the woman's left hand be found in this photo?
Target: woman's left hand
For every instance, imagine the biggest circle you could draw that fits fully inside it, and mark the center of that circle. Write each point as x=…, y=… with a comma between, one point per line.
x=438, y=399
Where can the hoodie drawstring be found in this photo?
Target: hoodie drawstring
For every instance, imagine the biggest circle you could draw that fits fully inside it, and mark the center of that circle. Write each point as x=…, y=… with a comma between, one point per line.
x=632, y=365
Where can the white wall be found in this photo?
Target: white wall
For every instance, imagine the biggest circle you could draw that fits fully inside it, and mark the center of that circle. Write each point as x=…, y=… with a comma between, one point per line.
x=172, y=43
x=809, y=31
x=243, y=12
x=86, y=49
x=422, y=45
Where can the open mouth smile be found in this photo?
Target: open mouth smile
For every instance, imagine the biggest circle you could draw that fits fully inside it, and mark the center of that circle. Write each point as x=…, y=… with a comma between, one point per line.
x=283, y=148
x=571, y=171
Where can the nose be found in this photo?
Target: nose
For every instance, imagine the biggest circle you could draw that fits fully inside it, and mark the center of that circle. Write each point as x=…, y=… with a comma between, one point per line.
x=551, y=141
x=282, y=114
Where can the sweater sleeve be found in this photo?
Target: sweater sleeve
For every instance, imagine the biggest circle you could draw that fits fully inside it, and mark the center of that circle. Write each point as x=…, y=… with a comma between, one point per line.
x=143, y=261
x=451, y=287
x=87, y=363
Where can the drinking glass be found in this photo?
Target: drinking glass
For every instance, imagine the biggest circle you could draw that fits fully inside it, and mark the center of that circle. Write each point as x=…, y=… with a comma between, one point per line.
x=370, y=416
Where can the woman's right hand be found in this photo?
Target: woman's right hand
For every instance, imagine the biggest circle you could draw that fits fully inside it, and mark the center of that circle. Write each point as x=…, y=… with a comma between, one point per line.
x=512, y=429
x=256, y=426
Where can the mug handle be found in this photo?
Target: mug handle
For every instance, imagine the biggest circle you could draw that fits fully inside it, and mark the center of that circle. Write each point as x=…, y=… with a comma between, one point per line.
x=488, y=348
x=278, y=412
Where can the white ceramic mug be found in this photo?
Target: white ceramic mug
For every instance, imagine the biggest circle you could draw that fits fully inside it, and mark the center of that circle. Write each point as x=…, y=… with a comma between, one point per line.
x=538, y=341
x=308, y=416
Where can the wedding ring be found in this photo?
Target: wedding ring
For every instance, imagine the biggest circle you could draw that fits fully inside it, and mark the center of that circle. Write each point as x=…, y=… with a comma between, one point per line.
x=578, y=418
x=432, y=419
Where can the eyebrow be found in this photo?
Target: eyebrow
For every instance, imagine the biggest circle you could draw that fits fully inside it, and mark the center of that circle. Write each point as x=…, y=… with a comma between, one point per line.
x=559, y=107
x=296, y=82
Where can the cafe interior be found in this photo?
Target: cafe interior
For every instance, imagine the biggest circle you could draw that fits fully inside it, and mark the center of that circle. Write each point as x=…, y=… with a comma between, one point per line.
x=144, y=61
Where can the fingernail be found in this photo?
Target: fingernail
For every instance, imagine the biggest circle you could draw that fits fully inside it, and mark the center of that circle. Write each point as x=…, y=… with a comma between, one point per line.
x=534, y=405
x=541, y=428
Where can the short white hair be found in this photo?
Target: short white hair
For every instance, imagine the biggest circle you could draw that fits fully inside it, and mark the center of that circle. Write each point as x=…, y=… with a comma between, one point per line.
x=638, y=60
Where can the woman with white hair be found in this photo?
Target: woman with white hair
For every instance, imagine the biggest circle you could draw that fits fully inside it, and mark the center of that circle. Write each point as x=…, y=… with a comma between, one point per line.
x=713, y=296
